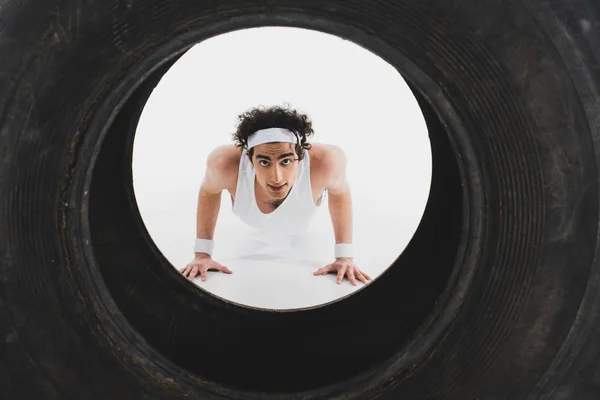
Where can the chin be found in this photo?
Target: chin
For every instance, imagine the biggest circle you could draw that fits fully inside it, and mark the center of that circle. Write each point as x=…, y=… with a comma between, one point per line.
x=280, y=194
x=275, y=194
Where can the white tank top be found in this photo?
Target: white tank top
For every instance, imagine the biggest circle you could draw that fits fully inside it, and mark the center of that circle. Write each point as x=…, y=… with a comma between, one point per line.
x=292, y=216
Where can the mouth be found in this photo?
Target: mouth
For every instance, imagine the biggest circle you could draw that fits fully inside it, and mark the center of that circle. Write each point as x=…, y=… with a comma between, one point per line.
x=276, y=188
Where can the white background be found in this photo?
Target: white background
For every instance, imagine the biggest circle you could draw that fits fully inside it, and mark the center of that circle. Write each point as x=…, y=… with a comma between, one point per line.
x=356, y=101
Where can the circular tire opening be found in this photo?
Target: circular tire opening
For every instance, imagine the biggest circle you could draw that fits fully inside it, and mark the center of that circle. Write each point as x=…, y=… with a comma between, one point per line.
x=354, y=100
x=412, y=290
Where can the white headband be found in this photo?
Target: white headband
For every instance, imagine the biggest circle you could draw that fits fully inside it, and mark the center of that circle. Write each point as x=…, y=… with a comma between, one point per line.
x=271, y=135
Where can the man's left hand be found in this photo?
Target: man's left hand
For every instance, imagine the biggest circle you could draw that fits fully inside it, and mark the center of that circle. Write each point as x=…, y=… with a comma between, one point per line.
x=344, y=266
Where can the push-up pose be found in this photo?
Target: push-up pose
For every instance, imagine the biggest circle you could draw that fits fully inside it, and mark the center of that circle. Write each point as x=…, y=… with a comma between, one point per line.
x=276, y=181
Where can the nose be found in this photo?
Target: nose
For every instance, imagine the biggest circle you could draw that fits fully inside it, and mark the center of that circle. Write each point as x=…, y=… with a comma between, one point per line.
x=277, y=174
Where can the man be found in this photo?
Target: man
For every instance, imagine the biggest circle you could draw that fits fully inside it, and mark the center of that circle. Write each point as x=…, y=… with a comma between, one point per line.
x=276, y=181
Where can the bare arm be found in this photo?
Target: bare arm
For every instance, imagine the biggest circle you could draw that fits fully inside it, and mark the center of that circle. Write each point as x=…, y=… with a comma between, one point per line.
x=340, y=200
x=209, y=202
x=340, y=209
x=209, y=195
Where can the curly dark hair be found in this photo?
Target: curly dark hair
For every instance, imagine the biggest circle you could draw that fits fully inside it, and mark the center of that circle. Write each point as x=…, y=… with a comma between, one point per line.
x=274, y=117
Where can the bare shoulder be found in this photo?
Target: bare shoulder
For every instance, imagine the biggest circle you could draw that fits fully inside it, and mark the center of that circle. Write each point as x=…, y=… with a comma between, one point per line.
x=327, y=165
x=327, y=157
x=223, y=162
x=224, y=157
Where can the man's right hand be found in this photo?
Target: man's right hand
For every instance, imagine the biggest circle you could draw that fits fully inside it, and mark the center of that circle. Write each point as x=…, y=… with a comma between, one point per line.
x=200, y=265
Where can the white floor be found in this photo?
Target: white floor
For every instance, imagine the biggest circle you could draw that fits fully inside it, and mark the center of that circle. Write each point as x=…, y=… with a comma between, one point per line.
x=275, y=283
x=280, y=276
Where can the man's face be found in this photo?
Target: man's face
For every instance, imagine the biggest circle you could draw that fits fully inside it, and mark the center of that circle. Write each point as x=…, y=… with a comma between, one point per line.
x=276, y=166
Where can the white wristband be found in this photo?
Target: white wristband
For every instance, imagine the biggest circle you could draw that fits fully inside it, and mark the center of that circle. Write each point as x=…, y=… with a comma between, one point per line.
x=344, y=250
x=204, y=246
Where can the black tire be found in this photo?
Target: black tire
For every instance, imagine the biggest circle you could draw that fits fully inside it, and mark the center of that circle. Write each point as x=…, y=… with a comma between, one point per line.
x=496, y=297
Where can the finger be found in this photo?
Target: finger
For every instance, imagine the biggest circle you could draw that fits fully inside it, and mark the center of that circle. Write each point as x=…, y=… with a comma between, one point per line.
x=203, y=275
x=363, y=273
x=185, y=269
x=323, y=271
x=360, y=276
x=193, y=272
x=340, y=274
x=225, y=269
x=189, y=270
x=351, y=277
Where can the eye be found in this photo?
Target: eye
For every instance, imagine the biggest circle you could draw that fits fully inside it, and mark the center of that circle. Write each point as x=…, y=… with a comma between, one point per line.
x=265, y=163
x=290, y=161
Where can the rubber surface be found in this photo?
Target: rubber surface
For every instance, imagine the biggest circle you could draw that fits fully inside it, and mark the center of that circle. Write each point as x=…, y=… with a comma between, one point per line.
x=496, y=296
